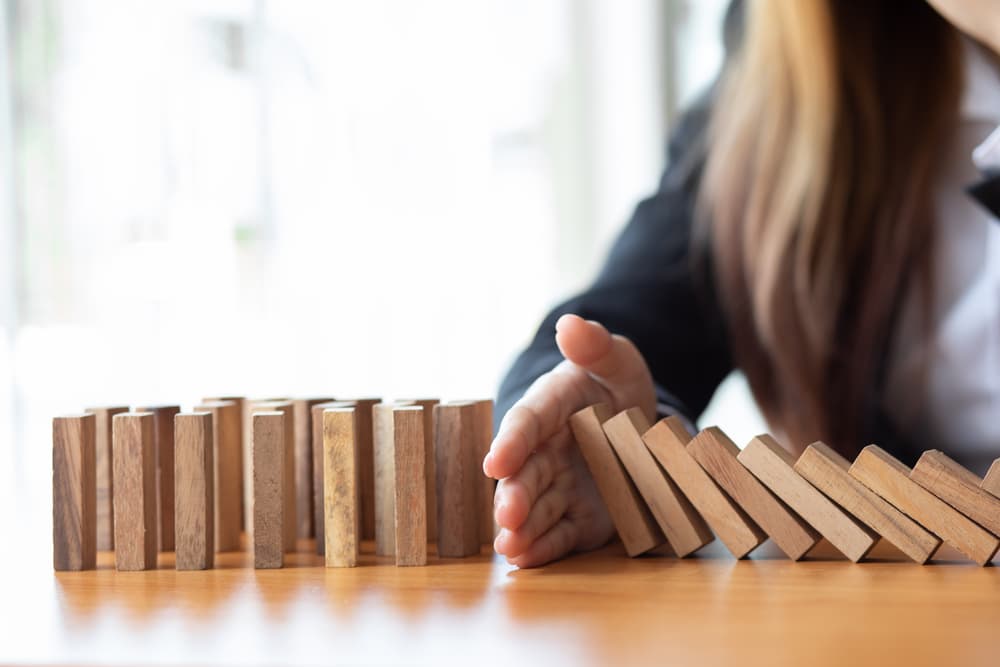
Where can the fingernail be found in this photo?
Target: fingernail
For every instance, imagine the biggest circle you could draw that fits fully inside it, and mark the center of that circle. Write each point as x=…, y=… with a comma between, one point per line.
x=487, y=464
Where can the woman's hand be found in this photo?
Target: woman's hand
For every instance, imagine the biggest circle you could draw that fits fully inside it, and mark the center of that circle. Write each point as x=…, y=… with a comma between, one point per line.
x=546, y=503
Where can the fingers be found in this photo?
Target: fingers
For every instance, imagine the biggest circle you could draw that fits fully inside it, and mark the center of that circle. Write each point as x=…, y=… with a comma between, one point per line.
x=516, y=495
x=611, y=359
x=551, y=506
x=558, y=541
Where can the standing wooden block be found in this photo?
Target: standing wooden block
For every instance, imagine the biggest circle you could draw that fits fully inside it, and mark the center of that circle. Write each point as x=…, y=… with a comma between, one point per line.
x=828, y=471
x=430, y=488
x=226, y=455
x=410, y=518
x=105, y=476
x=774, y=466
x=304, y=526
x=134, y=443
x=74, y=492
x=341, y=487
x=289, y=523
x=163, y=430
x=666, y=441
x=886, y=476
x=991, y=482
x=958, y=487
x=384, y=461
x=457, y=480
x=318, y=469
x=246, y=495
x=633, y=520
x=716, y=453
x=367, y=458
x=194, y=499
x=487, y=485
x=268, y=488
x=684, y=528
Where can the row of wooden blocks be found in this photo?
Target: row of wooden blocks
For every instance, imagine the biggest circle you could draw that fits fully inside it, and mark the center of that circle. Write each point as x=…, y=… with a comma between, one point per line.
x=156, y=479
x=661, y=485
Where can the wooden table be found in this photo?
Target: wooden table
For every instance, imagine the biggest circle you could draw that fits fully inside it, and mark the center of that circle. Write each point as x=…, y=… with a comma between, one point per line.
x=599, y=608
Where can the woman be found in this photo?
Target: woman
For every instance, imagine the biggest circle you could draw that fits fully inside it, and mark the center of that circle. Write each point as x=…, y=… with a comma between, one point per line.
x=814, y=229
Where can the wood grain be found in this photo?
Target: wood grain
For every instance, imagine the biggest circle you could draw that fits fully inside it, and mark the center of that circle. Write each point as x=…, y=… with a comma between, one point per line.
x=667, y=440
x=246, y=493
x=410, y=503
x=105, y=476
x=269, y=465
x=886, y=476
x=304, y=495
x=134, y=443
x=226, y=455
x=635, y=524
x=319, y=495
x=684, y=528
x=991, y=481
x=366, y=453
x=194, y=500
x=457, y=479
x=289, y=522
x=163, y=431
x=430, y=488
x=716, y=453
x=958, y=487
x=74, y=493
x=487, y=485
x=342, y=487
x=828, y=471
x=773, y=465
x=384, y=462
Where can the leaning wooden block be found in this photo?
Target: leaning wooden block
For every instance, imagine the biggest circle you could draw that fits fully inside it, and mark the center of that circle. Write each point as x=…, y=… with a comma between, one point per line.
x=684, y=528
x=246, y=494
x=886, y=476
x=716, y=453
x=133, y=440
x=384, y=462
x=666, y=440
x=487, y=485
x=163, y=430
x=304, y=526
x=194, y=497
x=74, y=492
x=991, y=482
x=342, y=487
x=633, y=521
x=457, y=479
x=289, y=523
x=105, y=476
x=774, y=466
x=268, y=489
x=828, y=471
x=430, y=487
x=410, y=518
x=958, y=487
x=226, y=455
x=319, y=523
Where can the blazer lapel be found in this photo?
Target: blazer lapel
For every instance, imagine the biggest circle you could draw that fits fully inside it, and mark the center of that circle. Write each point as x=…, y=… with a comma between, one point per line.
x=987, y=193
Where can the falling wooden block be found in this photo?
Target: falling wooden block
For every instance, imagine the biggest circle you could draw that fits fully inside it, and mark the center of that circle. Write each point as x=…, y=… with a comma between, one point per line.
x=666, y=440
x=774, y=466
x=487, y=485
x=268, y=428
x=958, y=487
x=341, y=487
x=828, y=471
x=633, y=521
x=410, y=506
x=304, y=526
x=886, y=476
x=105, y=476
x=194, y=497
x=163, y=430
x=684, y=528
x=134, y=444
x=991, y=482
x=74, y=492
x=226, y=455
x=430, y=488
x=318, y=469
x=716, y=453
x=384, y=462
x=457, y=479
x=289, y=523
x=246, y=494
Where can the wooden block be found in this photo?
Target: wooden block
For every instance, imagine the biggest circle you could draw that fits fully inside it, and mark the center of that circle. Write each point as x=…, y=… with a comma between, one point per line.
x=958, y=487
x=194, y=497
x=163, y=430
x=430, y=488
x=134, y=443
x=774, y=467
x=633, y=521
x=226, y=456
x=991, y=482
x=828, y=471
x=487, y=485
x=384, y=462
x=367, y=457
x=246, y=494
x=74, y=492
x=666, y=440
x=457, y=479
x=105, y=476
x=304, y=526
x=318, y=468
x=268, y=488
x=289, y=522
x=341, y=487
x=886, y=476
x=410, y=518
x=716, y=453
x=684, y=528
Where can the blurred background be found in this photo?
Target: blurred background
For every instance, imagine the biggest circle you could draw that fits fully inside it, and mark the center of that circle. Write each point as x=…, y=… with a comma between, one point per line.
x=256, y=197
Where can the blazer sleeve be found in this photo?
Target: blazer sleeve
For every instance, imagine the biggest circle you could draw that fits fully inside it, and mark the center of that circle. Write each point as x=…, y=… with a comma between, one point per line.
x=652, y=291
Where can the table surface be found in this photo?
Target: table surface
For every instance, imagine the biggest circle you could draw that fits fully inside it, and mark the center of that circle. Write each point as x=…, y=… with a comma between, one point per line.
x=599, y=608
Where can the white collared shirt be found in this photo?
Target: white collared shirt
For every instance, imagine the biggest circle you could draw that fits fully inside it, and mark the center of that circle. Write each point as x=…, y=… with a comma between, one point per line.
x=943, y=391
